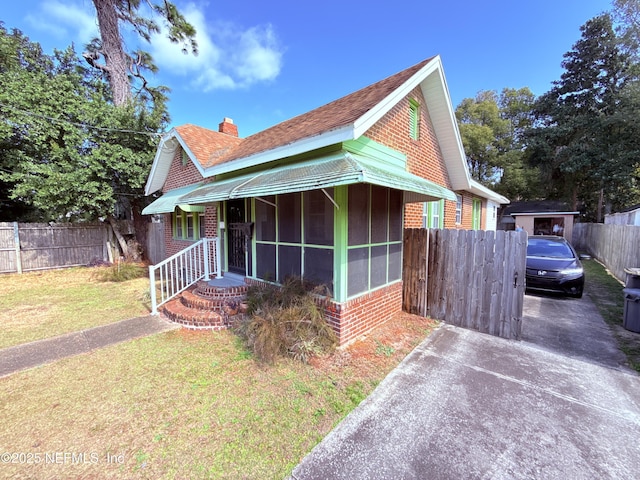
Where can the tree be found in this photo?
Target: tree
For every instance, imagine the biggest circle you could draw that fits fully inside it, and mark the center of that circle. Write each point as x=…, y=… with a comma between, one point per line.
x=121, y=67
x=492, y=129
x=483, y=133
x=125, y=71
x=626, y=13
x=65, y=149
x=583, y=140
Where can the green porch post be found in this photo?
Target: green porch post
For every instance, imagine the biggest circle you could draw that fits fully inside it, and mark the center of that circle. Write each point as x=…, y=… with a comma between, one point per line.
x=340, y=238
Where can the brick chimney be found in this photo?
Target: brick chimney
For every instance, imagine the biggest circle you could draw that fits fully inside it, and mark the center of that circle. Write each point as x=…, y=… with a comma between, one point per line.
x=228, y=127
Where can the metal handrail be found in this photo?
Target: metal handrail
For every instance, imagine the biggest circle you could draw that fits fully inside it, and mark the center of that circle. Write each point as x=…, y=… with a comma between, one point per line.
x=178, y=272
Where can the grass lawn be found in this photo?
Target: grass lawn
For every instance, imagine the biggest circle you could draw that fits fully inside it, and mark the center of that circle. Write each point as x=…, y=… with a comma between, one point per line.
x=606, y=293
x=45, y=304
x=183, y=404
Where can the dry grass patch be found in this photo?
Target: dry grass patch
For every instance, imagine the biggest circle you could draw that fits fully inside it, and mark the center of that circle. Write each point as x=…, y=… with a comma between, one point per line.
x=190, y=405
x=45, y=304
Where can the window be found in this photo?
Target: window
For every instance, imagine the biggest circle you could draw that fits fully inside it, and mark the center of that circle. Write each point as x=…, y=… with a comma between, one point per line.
x=433, y=214
x=458, y=209
x=188, y=225
x=202, y=232
x=414, y=119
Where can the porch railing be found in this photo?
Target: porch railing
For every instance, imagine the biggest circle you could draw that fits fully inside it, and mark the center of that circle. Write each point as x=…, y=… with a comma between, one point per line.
x=178, y=272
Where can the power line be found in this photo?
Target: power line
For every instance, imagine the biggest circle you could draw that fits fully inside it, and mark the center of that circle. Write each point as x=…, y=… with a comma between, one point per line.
x=84, y=125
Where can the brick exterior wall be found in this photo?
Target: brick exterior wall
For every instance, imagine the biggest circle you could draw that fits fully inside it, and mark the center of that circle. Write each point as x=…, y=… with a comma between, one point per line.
x=424, y=157
x=360, y=315
x=181, y=176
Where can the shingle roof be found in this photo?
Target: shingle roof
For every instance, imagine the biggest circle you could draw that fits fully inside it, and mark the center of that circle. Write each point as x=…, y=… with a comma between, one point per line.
x=332, y=116
x=204, y=142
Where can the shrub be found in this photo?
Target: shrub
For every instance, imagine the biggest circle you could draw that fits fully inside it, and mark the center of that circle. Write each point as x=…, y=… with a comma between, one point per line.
x=120, y=272
x=285, y=321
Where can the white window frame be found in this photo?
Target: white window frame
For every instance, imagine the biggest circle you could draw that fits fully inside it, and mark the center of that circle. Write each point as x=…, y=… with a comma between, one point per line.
x=458, y=209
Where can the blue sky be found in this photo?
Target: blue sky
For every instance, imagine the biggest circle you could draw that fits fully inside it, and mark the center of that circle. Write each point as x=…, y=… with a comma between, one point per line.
x=262, y=62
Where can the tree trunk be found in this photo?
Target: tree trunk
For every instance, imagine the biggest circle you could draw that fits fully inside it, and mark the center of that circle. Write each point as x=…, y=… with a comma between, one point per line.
x=140, y=223
x=115, y=58
x=600, y=205
x=124, y=247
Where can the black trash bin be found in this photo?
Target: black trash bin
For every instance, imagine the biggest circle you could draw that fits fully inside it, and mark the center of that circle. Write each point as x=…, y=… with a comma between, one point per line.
x=631, y=320
x=633, y=277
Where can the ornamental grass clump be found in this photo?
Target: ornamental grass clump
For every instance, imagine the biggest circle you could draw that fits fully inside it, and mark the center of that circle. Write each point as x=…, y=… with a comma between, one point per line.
x=121, y=272
x=286, y=321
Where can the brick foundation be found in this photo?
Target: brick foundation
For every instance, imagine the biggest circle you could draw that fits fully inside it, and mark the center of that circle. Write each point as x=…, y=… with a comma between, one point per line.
x=358, y=316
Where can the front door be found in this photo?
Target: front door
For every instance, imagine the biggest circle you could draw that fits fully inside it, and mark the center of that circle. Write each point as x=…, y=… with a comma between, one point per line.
x=236, y=236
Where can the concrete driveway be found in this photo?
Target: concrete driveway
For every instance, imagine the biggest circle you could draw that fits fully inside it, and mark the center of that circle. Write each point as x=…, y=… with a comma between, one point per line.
x=464, y=405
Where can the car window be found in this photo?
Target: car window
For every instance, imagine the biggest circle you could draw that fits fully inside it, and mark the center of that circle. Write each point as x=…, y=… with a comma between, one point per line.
x=542, y=248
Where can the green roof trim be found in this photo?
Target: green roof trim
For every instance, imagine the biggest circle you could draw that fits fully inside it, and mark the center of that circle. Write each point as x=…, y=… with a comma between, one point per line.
x=343, y=168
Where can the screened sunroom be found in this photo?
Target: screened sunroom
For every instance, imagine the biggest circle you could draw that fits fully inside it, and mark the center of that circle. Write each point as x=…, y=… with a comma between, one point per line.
x=335, y=221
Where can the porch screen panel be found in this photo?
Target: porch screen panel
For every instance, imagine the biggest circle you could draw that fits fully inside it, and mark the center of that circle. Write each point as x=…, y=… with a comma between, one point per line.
x=378, y=266
x=379, y=214
x=395, y=215
x=374, y=250
x=395, y=261
x=318, y=217
x=358, y=274
x=289, y=218
x=318, y=266
x=265, y=223
x=266, y=261
x=289, y=262
x=295, y=238
x=358, y=214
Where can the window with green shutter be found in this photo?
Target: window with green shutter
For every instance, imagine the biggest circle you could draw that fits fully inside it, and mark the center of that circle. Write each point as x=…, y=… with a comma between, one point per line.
x=433, y=214
x=414, y=119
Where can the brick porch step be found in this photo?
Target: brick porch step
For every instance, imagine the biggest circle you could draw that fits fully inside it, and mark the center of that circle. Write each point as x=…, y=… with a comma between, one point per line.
x=190, y=317
x=207, y=306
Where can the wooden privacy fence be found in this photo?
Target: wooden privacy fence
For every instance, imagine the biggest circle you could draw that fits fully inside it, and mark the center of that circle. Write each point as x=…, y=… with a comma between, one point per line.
x=616, y=246
x=156, y=249
x=470, y=278
x=39, y=246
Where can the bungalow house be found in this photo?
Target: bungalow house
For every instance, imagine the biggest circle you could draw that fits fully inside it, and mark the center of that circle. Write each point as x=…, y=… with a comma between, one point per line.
x=325, y=195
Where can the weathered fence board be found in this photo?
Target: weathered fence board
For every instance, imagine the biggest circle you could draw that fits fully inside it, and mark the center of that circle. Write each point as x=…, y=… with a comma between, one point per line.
x=473, y=279
x=40, y=246
x=616, y=246
x=156, y=250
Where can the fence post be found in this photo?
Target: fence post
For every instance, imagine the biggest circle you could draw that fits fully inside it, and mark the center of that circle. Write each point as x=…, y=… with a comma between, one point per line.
x=152, y=290
x=16, y=243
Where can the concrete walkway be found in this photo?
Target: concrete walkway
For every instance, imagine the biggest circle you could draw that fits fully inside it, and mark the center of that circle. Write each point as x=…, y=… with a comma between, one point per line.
x=465, y=405
x=29, y=355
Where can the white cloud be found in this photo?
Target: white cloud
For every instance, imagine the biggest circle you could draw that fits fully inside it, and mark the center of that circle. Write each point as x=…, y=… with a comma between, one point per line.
x=69, y=21
x=229, y=56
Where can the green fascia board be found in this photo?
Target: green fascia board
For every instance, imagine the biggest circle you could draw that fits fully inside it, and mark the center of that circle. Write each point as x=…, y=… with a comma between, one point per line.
x=370, y=148
x=168, y=201
x=402, y=180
